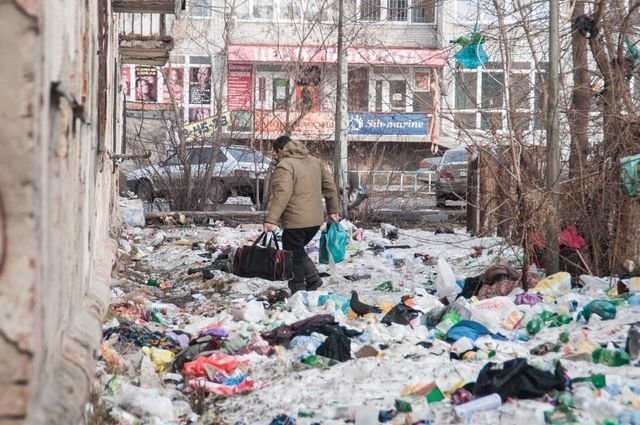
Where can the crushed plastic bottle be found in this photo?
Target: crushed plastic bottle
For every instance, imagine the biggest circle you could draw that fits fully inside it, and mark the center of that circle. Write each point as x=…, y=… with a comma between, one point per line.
x=632, y=347
x=490, y=402
x=605, y=309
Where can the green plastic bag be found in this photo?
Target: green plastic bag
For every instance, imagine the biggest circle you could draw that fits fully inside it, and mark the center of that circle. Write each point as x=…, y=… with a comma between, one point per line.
x=602, y=308
x=333, y=243
x=631, y=174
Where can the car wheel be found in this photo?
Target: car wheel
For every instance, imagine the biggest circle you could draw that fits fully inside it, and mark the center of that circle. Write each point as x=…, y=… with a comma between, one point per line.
x=144, y=190
x=218, y=193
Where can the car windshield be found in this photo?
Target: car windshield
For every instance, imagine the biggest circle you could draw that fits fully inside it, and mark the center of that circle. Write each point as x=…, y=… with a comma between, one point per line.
x=246, y=155
x=455, y=156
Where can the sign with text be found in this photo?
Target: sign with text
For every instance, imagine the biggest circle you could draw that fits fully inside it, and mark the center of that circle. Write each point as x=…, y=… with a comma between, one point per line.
x=239, y=87
x=388, y=124
x=200, y=85
x=200, y=129
x=310, y=124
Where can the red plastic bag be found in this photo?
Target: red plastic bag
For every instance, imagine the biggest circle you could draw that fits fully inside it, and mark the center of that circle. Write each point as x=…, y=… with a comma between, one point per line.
x=221, y=361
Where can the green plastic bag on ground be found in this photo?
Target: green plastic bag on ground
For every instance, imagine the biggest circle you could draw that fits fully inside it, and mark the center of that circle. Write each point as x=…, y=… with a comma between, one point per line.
x=603, y=308
x=333, y=243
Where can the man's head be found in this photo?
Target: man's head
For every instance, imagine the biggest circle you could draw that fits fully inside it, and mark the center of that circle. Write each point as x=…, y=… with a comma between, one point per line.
x=280, y=143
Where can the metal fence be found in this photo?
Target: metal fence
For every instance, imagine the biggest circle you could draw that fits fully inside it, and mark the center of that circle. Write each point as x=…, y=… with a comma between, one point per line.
x=397, y=181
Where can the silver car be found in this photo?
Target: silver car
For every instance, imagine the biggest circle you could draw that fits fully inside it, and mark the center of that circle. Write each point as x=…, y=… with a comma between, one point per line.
x=234, y=170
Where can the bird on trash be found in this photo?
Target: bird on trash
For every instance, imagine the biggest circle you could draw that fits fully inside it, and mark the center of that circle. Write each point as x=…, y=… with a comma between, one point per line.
x=360, y=308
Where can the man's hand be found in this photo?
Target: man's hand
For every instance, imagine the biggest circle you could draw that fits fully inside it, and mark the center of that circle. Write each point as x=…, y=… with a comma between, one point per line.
x=268, y=227
x=334, y=217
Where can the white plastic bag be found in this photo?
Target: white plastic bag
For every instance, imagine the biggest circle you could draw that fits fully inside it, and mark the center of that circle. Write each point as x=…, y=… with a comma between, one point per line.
x=446, y=279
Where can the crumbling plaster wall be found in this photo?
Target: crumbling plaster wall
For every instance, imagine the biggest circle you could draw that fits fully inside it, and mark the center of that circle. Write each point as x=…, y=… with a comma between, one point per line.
x=57, y=203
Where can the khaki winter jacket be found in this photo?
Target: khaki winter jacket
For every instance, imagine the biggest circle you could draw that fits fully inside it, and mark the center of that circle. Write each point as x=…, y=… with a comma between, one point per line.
x=298, y=183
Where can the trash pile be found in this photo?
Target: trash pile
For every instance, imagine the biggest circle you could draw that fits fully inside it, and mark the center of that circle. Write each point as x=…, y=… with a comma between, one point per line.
x=412, y=327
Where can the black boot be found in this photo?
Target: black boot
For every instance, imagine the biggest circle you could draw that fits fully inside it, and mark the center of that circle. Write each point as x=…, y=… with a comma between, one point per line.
x=311, y=276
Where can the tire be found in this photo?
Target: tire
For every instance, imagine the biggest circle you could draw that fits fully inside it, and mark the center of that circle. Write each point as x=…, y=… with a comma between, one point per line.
x=218, y=193
x=144, y=191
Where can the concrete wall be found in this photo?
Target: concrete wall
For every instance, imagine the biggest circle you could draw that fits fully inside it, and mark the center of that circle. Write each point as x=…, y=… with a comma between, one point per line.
x=56, y=203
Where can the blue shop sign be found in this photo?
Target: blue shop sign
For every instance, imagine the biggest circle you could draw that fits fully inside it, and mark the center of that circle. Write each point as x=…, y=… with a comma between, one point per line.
x=388, y=124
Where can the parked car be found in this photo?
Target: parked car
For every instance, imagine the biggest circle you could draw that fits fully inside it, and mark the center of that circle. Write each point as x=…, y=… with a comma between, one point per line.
x=451, y=180
x=428, y=166
x=236, y=169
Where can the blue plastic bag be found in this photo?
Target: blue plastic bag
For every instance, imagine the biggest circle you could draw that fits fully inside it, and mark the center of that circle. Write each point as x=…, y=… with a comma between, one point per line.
x=472, y=56
x=333, y=243
x=470, y=329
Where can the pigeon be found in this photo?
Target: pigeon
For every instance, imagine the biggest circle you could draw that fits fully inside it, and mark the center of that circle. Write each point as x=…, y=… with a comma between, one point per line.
x=360, y=308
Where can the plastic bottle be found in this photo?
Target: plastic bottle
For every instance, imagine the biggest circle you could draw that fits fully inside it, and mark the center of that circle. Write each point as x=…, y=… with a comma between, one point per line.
x=610, y=357
x=632, y=347
x=489, y=402
x=448, y=320
x=534, y=325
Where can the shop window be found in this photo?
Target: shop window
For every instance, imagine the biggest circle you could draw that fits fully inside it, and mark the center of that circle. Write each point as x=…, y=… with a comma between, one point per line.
x=465, y=121
x=378, y=96
x=280, y=93
x=422, y=102
x=359, y=90
x=398, y=95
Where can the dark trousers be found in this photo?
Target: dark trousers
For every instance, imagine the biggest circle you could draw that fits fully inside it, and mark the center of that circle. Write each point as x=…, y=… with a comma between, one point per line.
x=295, y=240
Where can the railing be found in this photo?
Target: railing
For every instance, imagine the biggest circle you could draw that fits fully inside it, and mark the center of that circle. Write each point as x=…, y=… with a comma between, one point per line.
x=147, y=24
x=397, y=181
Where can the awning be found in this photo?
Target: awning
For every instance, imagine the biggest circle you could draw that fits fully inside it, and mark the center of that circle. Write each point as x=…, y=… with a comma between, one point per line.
x=329, y=54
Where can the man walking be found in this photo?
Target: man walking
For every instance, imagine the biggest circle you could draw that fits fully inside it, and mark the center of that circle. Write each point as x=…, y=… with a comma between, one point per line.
x=298, y=183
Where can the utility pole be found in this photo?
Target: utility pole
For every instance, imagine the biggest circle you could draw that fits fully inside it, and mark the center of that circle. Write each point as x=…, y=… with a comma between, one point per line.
x=553, y=140
x=340, y=163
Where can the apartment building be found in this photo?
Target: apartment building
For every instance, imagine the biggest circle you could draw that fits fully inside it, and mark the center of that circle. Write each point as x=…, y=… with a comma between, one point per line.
x=269, y=66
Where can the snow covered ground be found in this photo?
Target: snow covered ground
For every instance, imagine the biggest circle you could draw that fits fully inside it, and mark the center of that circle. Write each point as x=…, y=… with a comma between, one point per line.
x=357, y=389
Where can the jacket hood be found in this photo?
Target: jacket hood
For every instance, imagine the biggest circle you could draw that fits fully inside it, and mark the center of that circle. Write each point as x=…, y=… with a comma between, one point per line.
x=294, y=149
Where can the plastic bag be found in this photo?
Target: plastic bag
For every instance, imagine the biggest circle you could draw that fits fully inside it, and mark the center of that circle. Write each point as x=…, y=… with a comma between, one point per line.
x=446, y=279
x=555, y=285
x=631, y=174
x=472, y=56
x=333, y=244
x=469, y=329
x=605, y=309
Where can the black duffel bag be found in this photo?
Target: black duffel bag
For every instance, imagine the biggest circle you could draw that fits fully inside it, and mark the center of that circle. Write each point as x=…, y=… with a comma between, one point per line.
x=264, y=259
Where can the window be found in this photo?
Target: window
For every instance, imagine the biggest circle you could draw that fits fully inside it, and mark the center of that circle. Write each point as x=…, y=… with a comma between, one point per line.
x=358, y=89
x=245, y=155
x=398, y=95
x=480, y=102
x=423, y=11
x=466, y=88
x=492, y=90
x=378, y=96
x=539, y=102
x=285, y=10
x=280, y=93
x=422, y=101
x=398, y=10
x=201, y=7
x=370, y=10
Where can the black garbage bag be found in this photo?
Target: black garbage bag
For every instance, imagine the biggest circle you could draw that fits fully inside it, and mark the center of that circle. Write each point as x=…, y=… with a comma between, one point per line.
x=337, y=346
x=400, y=314
x=516, y=378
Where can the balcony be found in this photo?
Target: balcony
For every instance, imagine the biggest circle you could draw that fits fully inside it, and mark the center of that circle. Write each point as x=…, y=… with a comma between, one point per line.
x=145, y=39
x=146, y=6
